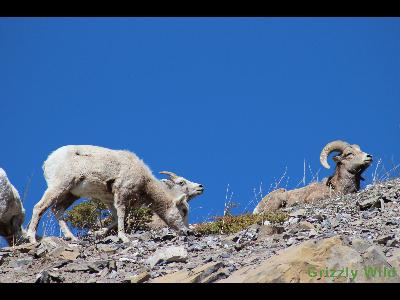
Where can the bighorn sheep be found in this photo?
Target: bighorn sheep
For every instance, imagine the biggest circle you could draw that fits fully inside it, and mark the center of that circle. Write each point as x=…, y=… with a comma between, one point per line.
x=351, y=162
x=115, y=177
x=180, y=186
x=12, y=213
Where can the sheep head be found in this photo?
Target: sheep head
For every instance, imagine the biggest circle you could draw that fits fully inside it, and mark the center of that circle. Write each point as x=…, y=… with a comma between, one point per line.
x=182, y=185
x=12, y=231
x=350, y=157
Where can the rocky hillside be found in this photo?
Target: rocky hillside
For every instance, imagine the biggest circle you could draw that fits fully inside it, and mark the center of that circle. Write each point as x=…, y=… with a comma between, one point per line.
x=355, y=238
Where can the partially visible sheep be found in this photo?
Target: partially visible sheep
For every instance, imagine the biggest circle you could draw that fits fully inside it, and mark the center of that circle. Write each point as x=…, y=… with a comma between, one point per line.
x=179, y=185
x=115, y=177
x=182, y=185
x=12, y=213
x=351, y=162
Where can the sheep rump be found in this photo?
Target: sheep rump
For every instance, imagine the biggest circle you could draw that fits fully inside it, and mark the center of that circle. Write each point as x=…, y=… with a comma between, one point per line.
x=12, y=213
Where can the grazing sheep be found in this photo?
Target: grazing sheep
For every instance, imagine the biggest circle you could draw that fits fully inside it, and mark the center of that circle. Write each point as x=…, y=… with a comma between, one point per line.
x=12, y=213
x=115, y=177
x=351, y=162
x=180, y=186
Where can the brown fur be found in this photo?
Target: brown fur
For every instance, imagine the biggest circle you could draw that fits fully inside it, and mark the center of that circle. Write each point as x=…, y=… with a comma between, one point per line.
x=349, y=166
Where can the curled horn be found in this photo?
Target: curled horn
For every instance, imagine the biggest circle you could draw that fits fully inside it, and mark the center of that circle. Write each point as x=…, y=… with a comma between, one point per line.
x=170, y=174
x=330, y=147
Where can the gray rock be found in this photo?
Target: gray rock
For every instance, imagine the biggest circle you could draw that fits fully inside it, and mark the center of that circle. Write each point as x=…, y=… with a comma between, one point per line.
x=290, y=241
x=393, y=243
x=369, y=202
x=225, y=255
x=77, y=267
x=375, y=257
x=334, y=222
x=20, y=262
x=191, y=266
x=49, y=244
x=110, y=239
x=168, y=254
x=393, y=222
x=298, y=213
x=294, y=220
x=47, y=277
x=312, y=233
x=208, y=259
x=317, y=218
x=360, y=245
x=140, y=278
x=383, y=239
x=107, y=248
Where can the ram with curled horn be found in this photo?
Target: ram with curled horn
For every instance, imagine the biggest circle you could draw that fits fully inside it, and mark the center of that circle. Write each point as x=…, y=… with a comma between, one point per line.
x=350, y=162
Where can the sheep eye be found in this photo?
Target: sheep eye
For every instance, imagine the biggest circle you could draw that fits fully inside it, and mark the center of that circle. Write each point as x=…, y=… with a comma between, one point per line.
x=350, y=155
x=182, y=183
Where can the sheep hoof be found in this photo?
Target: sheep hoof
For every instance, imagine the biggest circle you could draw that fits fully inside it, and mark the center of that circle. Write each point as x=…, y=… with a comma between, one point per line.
x=71, y=238
x=123, y=238
x=32, y=239
x=101, y=232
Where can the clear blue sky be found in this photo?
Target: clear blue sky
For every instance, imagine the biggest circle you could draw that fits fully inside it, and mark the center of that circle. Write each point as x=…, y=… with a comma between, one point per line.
x=219, y=100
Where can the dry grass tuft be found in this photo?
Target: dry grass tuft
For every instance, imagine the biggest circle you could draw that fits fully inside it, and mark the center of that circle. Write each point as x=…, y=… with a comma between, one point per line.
x=231, y=224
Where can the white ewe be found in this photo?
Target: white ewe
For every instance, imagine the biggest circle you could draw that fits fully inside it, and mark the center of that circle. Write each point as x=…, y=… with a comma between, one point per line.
x=115, y=177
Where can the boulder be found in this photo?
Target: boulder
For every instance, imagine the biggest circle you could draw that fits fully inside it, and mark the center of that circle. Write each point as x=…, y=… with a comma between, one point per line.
x=56, y=248
x=24, y=248
x=327, y=260
x=268, y=230
x=140, y=278
x=168, y=254
x=202, y=274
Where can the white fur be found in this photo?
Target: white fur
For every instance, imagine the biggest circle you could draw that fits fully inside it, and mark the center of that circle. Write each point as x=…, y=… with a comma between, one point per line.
x=12, y=213
x=114, y=177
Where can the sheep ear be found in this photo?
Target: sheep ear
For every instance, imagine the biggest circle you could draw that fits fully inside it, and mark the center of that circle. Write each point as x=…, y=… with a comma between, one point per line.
x=168, y=183
x=337, y=158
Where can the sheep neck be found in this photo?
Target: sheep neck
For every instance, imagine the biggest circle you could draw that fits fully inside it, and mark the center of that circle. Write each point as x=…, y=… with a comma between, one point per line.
x=344, y=182
x=156, y=196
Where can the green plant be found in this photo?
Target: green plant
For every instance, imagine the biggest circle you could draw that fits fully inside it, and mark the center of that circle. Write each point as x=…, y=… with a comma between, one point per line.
x=138, y=218
x=87, y=215
x=231, y=224
x=93, y=215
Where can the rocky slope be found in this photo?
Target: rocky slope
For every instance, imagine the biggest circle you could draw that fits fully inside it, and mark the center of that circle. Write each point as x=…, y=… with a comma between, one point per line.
x=354, y=238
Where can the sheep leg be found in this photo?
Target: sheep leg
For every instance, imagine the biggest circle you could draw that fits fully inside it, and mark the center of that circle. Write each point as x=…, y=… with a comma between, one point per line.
x=50, y=197
x=114, y=224
x=59, y=210
x=120, y=207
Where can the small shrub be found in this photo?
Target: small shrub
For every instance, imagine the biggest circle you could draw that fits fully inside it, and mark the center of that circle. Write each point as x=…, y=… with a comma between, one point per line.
x=93, y=215
x=231, y=224
x=87, y=215
x=138, y=219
